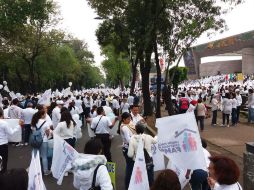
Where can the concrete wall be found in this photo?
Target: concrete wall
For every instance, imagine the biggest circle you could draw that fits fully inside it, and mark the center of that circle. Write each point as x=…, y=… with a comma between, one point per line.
x=248, y=60
x=224, y=67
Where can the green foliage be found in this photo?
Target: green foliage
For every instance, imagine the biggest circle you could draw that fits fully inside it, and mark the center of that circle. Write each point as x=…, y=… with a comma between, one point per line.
x=34, y=56
x=116, y=67
x=180, y=74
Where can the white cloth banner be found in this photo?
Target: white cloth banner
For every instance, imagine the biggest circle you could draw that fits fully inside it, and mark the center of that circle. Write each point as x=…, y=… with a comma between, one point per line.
x=45, y=98
x=35, y=181
x=63, y=155
x=139, y=178
x=179, y=140
x=14, y=123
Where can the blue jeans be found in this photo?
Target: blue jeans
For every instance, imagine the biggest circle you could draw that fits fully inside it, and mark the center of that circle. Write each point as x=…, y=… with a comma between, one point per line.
x=251, y=114
x=129, y=167
x=234, y=116
x=198, y=180
x=44, y=156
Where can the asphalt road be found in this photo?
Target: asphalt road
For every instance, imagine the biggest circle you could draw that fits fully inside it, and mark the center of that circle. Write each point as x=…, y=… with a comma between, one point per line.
x=20, y=157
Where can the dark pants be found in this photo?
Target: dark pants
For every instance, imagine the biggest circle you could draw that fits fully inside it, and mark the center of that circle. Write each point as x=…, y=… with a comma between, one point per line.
x=71, y=141
x=150, y=174
x=201, y=122
x=198, y=180
x=87, y=112
x=129, y=167
x=214, y=119
x=233, y=116
x=237, y=113
x=224, y=116
x=106, y=141
x=4, y=154
x=26, y=131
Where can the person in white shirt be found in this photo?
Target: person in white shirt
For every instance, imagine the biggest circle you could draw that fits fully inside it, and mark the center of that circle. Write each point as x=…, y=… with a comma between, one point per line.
x=215, y=105
x=5, y=131
x=26, y=116
x=101, y=125
x=135, y=116
x=126, y=132
x=239, y=103
x=115, y=105
x=39, y=123
x=124, y=106
x=130, y=100
x=56, y=115
x=67, y=128
x=14, y=111
x=148, y=141
x=226, y=109
x=91, y=165
x=223, y=174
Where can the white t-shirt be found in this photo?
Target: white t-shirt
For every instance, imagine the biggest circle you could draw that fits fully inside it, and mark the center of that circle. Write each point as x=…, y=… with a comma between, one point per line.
x=103, y=124
x=27, y=115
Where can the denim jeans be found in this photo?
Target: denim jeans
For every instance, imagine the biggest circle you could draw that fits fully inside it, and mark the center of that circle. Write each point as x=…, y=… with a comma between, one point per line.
x=251, y=114
x=26, y=131
x=224, y=117
x=214, y=119
x=44, y=156
x=201, y=119
x=234, y=116
x=129, y=167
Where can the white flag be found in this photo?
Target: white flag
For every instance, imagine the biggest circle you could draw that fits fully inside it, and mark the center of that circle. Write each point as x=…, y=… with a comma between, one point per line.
x=45, y=98
x=139, y=178
x=63, y=156
x=35, y=181
x=179, y=139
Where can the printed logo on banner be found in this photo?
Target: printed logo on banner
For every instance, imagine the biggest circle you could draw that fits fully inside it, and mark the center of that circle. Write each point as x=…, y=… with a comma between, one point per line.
x=188, y=144
x=138, y=176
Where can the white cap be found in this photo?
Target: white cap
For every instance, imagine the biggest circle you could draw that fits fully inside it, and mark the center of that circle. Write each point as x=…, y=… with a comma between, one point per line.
x=59, y=102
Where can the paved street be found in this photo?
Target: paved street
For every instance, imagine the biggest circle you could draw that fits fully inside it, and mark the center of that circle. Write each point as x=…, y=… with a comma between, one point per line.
x=222, y=140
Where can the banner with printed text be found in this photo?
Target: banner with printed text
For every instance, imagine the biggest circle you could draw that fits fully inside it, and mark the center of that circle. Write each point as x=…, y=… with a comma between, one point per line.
x=179, y=140
x=63, y=155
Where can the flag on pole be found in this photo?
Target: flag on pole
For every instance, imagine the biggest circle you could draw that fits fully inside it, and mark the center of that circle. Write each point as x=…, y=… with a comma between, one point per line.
x=35, y=181
x=63, y=156
x=139, y=178
x=45, y=98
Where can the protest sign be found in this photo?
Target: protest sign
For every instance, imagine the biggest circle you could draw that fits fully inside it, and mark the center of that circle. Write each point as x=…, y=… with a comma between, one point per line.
x=35, y=181
x=14, y=124
x=179, y=140
x=111, y=166
x=45, y=98
x=139, y=178
x=63, y=155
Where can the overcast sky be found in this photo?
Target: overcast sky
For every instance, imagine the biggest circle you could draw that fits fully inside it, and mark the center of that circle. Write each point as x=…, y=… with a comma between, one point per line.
x=78, y=19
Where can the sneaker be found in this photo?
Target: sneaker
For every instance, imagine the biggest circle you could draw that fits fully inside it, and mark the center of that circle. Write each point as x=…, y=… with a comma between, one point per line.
x=19, y=144
x=214, y=124
x=47, y=172
x=66, y=174
x=222, y=125
x=26, y=144
x=227, y=125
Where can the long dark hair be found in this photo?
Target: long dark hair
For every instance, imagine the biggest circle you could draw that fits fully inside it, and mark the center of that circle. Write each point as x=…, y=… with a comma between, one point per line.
x=66, y=116
x=38, y=115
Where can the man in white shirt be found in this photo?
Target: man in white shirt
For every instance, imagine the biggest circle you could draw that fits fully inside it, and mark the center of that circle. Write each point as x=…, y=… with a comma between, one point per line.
x=135, y=116
x=56, y=113
x=115, y=105
x=130, y=100
x=101, y=126
x=26, y=116
x=5, y=131
x=14, y=111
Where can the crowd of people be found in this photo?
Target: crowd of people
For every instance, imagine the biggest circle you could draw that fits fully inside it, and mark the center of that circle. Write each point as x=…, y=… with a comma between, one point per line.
x=100, y=111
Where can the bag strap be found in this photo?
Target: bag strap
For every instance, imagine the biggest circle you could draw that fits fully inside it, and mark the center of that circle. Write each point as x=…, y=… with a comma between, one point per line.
x=97, y=124
x=94, y=175
x=40, y=126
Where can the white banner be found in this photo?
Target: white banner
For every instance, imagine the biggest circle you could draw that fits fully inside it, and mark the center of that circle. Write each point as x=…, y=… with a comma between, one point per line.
x=35, y=181
x=63, y=155
x=139, y=178
x=45, y=98
x=179, y=139
x=14, y=124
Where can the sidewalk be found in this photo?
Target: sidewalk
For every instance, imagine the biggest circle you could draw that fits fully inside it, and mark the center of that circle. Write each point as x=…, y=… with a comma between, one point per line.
x=232, y=139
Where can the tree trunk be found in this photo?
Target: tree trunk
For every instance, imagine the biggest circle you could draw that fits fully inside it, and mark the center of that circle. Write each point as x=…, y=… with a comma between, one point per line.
x=134, y=72
x=145, y=70
x=168, y=100
x=158, y=81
